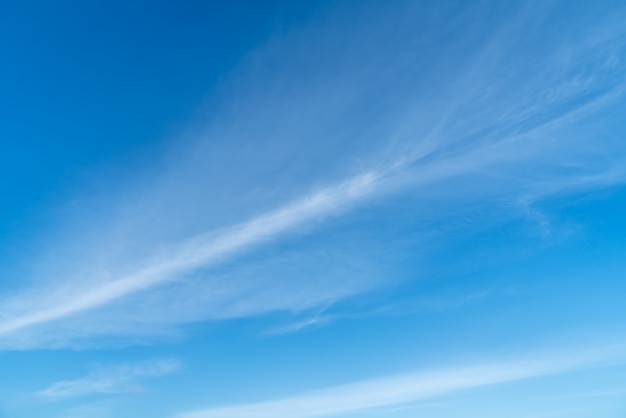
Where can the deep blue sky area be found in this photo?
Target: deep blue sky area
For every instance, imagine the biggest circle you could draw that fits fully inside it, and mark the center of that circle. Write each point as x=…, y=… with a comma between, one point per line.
x=108, y=79
x=280, y=209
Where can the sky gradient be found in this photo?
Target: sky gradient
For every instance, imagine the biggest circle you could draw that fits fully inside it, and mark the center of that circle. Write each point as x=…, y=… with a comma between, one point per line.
x=284, y=209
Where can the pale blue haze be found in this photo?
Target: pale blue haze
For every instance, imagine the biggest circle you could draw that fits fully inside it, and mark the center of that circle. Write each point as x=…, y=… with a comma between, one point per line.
x=293, y=209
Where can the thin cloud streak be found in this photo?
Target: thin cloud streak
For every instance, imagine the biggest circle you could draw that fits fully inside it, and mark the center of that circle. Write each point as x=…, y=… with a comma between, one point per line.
x=119, y=379
x=403, y=389
x=206, y=252
x=199, y=253
x=474, y=133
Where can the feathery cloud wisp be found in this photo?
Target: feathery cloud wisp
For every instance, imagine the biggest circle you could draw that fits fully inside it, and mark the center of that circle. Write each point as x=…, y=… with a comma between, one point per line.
x=117, y=379
x=467, y=130
x=407, y=388
x=202, y=252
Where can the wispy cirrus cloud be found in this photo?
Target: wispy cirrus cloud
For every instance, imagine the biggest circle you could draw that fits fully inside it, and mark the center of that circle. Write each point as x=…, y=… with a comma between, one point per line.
x=204, y=251
x=396, y=391
x=121, y=378
x=446, y=137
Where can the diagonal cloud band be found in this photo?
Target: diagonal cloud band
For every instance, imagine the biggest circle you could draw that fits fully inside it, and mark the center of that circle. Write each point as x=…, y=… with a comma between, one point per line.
x=461, y=143
x=208, y=250
x=201, y=252
x=411, y=387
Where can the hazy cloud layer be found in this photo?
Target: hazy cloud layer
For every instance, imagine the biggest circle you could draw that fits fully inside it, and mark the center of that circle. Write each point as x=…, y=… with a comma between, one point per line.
x=112, y=379
x=403, y=389
x=428, y=127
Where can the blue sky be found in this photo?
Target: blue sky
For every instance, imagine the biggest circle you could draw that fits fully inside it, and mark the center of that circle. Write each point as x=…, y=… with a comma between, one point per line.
x=313, y=209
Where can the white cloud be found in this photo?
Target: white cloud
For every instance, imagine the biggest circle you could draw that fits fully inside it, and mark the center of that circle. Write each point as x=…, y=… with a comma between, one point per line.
x=205, y=251
x=476, y=132
x=403, y=389
x=113, y=379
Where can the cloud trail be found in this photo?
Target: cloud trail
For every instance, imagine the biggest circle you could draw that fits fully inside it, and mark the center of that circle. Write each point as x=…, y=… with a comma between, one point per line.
x=119, y=379
x=199, y=253
x=206, y=251
x=406, y=388
x=466, y=129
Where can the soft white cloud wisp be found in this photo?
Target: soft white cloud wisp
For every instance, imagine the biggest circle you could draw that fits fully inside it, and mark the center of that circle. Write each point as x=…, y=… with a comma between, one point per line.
x=117, y=379
x=403, y=389
x=493, y=135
